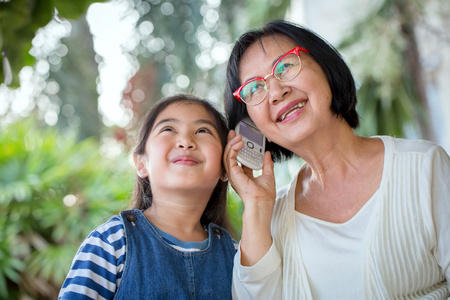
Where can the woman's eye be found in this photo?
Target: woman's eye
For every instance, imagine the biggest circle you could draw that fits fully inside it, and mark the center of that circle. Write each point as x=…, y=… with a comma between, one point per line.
x=255, y=88
x=283, y=67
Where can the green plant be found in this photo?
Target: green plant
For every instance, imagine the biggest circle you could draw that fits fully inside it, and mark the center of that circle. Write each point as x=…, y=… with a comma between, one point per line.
x=53, y=192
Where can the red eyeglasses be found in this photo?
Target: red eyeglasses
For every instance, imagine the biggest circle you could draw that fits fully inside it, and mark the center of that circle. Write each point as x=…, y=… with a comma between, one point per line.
x=254, y=91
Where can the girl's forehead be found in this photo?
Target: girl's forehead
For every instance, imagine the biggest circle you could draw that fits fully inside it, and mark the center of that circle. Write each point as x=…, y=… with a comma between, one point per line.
x=183, y=106
x=184, y=111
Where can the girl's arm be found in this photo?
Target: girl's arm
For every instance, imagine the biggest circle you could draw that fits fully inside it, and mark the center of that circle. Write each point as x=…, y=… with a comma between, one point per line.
x=97, y=267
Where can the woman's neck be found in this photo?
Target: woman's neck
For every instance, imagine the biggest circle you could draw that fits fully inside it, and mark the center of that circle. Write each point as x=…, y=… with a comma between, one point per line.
x=333, y=148
x=338, y=181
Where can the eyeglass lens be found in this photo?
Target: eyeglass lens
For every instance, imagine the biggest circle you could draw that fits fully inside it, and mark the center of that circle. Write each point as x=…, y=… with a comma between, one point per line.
x=286, y=69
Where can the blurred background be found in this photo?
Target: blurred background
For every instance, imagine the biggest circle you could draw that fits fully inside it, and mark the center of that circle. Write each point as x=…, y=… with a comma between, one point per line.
x=78, y=75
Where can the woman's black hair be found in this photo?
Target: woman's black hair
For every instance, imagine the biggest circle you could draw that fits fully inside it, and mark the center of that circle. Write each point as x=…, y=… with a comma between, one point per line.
x=216, y=210
x=340, y=79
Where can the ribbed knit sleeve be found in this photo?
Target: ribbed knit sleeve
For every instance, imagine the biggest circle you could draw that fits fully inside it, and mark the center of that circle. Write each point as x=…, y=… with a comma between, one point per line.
x=402, y=238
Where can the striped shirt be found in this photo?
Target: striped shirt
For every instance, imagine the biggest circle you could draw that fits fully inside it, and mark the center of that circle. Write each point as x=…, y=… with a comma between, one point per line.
x=99, y=263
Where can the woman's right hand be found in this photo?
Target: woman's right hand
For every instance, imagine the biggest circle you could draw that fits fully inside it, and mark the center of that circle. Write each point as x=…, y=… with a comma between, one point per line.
x=258, y=195
x=248, y=187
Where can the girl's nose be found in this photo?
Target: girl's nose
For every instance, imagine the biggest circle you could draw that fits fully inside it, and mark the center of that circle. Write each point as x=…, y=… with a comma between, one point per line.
x=186, y=143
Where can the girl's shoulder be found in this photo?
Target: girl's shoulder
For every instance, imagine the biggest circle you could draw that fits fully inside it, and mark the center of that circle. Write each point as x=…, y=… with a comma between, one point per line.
x=98, y=265
x=114, y=224
x=109, y=234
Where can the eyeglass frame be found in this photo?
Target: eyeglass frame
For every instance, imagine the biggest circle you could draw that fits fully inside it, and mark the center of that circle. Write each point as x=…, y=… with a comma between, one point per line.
x=296, y=51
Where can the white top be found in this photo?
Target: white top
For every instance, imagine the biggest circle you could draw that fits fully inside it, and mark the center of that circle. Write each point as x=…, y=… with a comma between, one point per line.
x=333, y=254
x=405, y=247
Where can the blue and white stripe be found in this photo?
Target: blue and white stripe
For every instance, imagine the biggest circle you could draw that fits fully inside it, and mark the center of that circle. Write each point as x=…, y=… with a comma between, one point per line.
x=98, y=265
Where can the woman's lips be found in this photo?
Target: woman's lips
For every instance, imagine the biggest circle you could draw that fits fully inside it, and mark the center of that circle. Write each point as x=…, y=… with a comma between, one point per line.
x=291, y=110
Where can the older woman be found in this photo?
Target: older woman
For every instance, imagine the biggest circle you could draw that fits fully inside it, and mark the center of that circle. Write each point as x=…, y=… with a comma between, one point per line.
x=364, y=218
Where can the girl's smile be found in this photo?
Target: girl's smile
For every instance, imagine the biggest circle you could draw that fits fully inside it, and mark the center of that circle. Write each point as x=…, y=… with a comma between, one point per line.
x=185, y=160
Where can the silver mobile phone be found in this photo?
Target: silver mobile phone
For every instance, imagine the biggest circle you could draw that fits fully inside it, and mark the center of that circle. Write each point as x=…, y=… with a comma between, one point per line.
x=252, y=154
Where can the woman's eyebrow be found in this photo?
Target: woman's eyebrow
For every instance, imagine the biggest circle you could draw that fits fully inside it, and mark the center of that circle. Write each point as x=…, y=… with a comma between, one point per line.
x=276, y=59
x=273, y=63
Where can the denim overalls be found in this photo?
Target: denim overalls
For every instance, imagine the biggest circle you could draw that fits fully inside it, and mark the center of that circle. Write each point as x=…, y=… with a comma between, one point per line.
x=155, y=270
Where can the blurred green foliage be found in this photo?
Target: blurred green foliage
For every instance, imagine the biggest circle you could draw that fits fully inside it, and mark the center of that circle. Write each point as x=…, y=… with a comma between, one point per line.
x=39, y=233
x=188, y=38
x=19, y=21
x=55, y=186
x=384, y=55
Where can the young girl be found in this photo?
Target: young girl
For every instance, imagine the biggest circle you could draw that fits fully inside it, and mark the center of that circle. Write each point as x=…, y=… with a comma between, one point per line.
x=173, y=243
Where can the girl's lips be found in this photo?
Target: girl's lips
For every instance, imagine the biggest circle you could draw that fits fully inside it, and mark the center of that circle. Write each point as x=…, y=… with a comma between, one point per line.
x=291, y=110
x=185, y=160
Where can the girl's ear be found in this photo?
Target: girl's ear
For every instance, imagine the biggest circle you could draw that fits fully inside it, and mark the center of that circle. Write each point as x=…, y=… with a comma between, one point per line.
x=224, y=176
x=139, y=163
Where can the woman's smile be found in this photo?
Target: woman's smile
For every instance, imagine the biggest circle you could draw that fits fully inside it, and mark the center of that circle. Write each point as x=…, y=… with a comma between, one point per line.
x=291, y=111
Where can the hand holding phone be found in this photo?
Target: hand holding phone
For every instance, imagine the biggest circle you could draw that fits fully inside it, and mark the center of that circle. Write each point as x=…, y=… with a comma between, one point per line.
x=252, y=154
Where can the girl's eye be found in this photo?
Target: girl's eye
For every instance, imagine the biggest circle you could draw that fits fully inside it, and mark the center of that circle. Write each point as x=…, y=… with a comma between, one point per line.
x=204, y=130
x=168, y=129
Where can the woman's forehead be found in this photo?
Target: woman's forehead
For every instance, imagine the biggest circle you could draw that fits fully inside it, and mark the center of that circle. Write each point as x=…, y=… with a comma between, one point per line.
x=271, y=45
x=262, y=54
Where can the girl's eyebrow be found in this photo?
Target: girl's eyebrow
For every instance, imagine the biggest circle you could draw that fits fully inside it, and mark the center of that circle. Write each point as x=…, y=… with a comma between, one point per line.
x=205, y=121
x=199, y=121
x=168, y=120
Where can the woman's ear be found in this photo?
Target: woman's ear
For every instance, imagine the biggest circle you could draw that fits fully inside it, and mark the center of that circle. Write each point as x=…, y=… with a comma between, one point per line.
x=139, y=163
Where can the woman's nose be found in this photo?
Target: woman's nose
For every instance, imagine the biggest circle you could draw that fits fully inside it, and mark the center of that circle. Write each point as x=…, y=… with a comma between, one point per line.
x=276, y=90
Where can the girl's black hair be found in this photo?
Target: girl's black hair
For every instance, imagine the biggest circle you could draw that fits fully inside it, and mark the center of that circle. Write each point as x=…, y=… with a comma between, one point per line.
x=216, y=210
x=340, y=79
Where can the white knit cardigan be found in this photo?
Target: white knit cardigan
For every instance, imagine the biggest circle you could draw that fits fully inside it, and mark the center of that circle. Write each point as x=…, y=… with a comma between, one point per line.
x=399, y=261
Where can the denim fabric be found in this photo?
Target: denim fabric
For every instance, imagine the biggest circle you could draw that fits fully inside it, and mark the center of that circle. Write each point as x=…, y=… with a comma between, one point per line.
x=155, y=270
